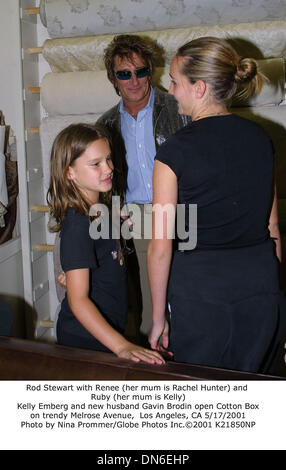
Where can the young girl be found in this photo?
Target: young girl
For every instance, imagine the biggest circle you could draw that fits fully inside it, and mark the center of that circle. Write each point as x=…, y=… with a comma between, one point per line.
x=94, y=310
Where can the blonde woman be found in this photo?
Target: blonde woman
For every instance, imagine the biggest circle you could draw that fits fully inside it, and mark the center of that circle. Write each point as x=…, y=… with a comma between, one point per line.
x=223, y=293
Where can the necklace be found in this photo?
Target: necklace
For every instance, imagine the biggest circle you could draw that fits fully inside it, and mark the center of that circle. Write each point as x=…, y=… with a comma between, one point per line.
x=210, y=114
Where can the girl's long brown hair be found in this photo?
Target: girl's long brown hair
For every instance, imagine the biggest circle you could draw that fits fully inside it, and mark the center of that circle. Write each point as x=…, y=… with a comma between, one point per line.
x=70, y=144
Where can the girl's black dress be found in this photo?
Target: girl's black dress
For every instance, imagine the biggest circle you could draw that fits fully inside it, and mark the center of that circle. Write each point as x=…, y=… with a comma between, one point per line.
x=108, y=291
x=224, y=295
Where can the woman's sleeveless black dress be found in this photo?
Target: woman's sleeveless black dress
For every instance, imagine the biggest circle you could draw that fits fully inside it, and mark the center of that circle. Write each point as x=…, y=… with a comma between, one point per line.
x=224, y=294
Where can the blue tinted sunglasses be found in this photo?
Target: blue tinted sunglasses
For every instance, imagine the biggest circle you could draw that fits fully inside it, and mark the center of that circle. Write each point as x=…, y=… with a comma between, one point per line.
x=126, y=74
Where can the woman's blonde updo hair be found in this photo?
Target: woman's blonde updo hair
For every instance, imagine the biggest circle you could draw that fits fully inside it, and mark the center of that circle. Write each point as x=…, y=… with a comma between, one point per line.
x=214, y=61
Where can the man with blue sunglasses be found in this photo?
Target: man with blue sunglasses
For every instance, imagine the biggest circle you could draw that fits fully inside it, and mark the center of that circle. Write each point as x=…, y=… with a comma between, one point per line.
x=139, y=123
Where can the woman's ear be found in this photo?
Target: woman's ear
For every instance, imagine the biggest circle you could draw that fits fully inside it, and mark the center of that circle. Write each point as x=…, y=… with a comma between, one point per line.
x=200, y=88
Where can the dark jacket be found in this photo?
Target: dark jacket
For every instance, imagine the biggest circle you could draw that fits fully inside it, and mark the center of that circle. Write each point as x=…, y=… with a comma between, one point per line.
x=166, y=121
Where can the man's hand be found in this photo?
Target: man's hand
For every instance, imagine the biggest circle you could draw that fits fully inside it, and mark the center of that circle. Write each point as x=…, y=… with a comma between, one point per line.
x=62, y=280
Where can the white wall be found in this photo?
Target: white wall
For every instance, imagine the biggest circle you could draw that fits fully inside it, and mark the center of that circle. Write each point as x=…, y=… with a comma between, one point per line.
x=9, y=55
x=11, y=275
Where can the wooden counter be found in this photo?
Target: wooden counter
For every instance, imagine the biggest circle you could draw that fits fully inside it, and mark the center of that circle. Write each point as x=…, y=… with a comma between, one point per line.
x=34, y=360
